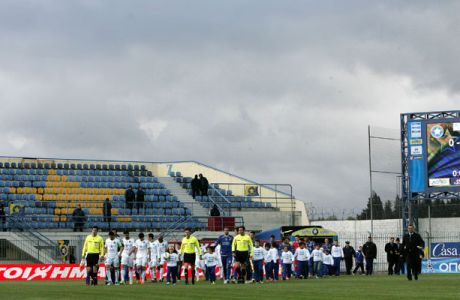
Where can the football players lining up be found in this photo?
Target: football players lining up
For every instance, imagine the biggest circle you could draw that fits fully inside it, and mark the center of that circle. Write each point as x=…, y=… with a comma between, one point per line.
x=239, y=254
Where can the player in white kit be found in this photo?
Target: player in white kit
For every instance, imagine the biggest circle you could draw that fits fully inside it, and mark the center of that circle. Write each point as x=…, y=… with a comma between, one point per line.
x=162, y=246
x=141, y=252
x=153, y=257
x=112, y=260
x=127, y=259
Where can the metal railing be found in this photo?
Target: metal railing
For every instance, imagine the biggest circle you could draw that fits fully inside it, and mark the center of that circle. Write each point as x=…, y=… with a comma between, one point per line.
x=278, y=195
x=48, y=249
x=225, y=210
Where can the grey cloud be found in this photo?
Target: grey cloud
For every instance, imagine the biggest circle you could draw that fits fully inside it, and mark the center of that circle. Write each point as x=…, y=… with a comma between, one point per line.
x=273, y=91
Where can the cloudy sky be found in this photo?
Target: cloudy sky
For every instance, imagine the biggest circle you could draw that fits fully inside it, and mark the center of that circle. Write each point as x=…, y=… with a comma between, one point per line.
x=275, y=91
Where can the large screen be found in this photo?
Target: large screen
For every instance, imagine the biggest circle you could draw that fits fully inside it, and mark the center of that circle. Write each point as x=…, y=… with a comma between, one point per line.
x=443, y=154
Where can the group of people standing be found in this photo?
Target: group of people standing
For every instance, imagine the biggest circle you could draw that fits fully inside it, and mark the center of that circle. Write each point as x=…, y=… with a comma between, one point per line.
x=134, y=199
x=200, y=186
x=242, y=258
x=410, y=253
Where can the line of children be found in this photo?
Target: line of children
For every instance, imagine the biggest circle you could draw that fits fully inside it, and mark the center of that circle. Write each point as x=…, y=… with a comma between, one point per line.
x=171, y=257
x=359, y=260
x=211, y=260
x=287, y=258
x=328, y=264
x=302, y=256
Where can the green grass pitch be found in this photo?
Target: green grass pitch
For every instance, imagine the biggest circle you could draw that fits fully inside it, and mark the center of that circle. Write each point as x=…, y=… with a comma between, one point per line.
x=343, y=287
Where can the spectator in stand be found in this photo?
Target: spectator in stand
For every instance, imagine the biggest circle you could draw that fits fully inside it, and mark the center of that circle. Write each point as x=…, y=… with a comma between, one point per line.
x=195, y=186
x=390, y=249
x=129, y=198
x=140, y=195
x=215, y=211
x=79, y=219
x=370, y=252
x=2, y=217
x=399, y=267
x=204, y=185
x=107, y=211
x=348, y=254
x=359, y=261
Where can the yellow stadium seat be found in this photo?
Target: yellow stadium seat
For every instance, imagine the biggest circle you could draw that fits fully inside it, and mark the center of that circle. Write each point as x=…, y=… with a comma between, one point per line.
x=57, y=211
x=94, y=211
x=63, y=178
x=40, y=190
x=39, y=197
x=51, y=172
x=114, y=211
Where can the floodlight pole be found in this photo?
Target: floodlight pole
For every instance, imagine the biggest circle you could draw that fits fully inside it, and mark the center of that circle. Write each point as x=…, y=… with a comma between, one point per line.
x=370, y=180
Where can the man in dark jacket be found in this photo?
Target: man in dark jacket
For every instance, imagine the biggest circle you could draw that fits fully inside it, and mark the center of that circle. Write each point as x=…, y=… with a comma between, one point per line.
x=399, y=266
x=370, y=252
x=215, y=211
x=140, y=196
x=79, y=218
x=348, y=254
x=390, y=249
x=204, y=185
x=412, y=245
x=107, y=211
x=129, y=198
x=195, y=186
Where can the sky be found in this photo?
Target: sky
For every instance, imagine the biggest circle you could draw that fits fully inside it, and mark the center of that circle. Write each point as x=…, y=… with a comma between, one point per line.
x=274, y=91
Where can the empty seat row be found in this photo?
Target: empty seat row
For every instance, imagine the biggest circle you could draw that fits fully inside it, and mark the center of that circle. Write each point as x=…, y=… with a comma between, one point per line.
x=81, y=191
x=110, y=178
x=23, y=184
x=117, y=185
x=149, y=198
x=23, y=172
x=155, y=211
x=73, y=166
x=103, y=173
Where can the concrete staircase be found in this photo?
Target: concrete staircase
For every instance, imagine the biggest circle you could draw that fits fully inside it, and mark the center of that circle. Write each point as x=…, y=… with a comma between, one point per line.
x=182, y=195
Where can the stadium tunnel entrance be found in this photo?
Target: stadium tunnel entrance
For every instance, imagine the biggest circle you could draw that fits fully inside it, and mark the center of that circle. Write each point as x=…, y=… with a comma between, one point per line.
x=315, y=233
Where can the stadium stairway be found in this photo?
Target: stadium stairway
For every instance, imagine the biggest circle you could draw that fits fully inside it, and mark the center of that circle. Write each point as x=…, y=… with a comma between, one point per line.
x=177, y=190
x=37, y=248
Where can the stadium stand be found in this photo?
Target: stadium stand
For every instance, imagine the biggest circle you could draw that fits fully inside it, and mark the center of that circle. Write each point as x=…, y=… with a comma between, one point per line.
x=44, y=196
x=224, y=198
